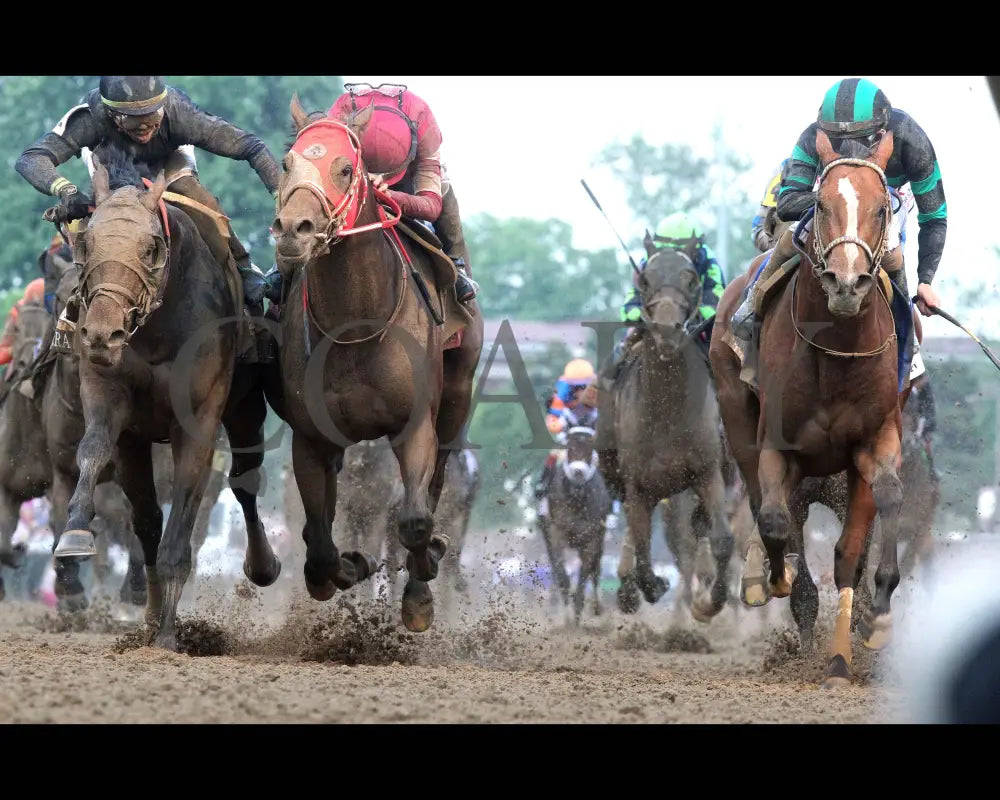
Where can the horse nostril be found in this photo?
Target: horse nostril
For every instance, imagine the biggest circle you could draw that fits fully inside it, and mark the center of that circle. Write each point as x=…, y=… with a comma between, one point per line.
x=276, y=228
x=304, y=228
x=84, y=332
x=863, y=283
x=829, y=281
x=117, y=337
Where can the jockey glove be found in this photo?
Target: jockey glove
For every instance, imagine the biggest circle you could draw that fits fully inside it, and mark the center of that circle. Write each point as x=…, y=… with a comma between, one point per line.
x=74, y=205
x=272, y=280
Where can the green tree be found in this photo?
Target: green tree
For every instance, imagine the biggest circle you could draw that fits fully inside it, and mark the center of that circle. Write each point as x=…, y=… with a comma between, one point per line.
x=528, y=269
x=668, y=178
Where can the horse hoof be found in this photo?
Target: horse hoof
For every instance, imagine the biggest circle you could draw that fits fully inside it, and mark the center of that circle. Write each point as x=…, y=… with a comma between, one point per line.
x=135, y=597
x=263, y=578
x=628, y=596
x=654, y=589
x=837, y=673
x=71, y=603
x=321, y=591
x=75, y=543
x=754, y=591
x=166, y=641
x=875, y=633
x=703, y=609
x=418, y=606
x=364, y=565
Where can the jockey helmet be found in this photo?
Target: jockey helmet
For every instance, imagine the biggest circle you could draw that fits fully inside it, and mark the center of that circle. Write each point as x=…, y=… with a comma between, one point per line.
x=133, y=95
x=676, y=231
x=578, y=372
x=388, y=143
x=854, y=108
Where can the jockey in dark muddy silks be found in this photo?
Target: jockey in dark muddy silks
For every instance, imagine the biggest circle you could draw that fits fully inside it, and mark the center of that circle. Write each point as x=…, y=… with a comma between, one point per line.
x=574, y=402
x=675, y=231
x=154, y=123
x=401, y=147
x=855, y=115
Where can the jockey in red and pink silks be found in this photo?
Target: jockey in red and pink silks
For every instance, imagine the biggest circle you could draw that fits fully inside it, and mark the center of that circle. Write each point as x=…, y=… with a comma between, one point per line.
x=401, y=147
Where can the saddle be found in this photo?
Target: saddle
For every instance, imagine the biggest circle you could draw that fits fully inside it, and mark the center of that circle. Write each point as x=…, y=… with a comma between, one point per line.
x=456, y=316
x=214, y=229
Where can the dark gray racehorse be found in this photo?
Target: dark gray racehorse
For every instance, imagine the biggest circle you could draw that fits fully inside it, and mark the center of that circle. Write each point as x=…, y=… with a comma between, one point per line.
x=579, y=504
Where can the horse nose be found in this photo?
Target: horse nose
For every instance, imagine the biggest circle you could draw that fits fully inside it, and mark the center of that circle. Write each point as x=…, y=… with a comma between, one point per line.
x=101, y=340
x=280, y=227
x=854, y=284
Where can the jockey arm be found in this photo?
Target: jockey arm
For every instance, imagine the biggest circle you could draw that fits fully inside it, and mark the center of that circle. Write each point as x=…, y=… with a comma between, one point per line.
x=713, y=283
x=921, y=170
x=37, y=163
x=188, y=124
x=795, y=195
x=759, y=233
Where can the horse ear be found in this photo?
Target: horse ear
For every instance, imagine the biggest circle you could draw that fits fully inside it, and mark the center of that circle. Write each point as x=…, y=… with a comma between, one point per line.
x=102, y=186
x=884, y=150
x=299, y=116
x=360, y=119
x=647, y=242
x=152, y=197
x=824, y=149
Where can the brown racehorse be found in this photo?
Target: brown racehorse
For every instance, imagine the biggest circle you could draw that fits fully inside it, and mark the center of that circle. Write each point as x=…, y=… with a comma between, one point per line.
x=361, y=354
x=829, y=398
x=158, y=363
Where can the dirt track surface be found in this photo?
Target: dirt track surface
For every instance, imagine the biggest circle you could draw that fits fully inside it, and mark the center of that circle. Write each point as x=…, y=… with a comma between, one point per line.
x=273, y=655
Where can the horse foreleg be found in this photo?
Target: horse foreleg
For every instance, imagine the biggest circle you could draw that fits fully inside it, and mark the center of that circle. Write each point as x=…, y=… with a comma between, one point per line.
x=192, y=453
x=105, y=416
x=877, y=467
x=245, y=427
x=10, y=556
x=418, y=459
x=135, y=475
x=639, y=509
x=778, y=479
x=847, y=572
x=713, y=499
x=325, y=570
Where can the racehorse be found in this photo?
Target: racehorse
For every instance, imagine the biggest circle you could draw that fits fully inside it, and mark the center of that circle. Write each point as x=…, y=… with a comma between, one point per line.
x=579, y=504
x=362, y=354
x=665, y=422
x=157, y=363
x=829, y=391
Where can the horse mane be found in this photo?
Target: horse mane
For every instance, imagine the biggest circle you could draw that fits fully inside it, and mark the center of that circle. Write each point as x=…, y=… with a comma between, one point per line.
x=123, y=168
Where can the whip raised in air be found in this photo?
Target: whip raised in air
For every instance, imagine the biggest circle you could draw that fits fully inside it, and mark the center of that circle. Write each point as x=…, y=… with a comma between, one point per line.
x=637, y=271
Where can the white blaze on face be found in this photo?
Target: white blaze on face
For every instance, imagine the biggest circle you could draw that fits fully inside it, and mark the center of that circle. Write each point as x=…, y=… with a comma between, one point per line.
x=846, y=189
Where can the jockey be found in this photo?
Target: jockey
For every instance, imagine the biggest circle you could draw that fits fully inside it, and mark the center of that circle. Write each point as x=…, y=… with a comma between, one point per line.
x=154, y=123
x=34, y=293
x=764, y=223
x=674, y=231
x=574, y=402
x=855, y=115
x=401, y=147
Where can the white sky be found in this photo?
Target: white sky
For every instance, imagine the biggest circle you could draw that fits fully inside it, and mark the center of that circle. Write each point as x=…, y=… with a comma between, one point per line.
x=519, y=145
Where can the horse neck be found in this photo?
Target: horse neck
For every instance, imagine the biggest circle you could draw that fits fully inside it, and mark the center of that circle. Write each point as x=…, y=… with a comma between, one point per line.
x=665, y=381
x=357, y=279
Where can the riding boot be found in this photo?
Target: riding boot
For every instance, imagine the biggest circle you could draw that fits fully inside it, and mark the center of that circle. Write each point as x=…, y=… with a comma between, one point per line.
x=744, y=317
x=448, y=227
x=466, y=289
x=254, y=290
